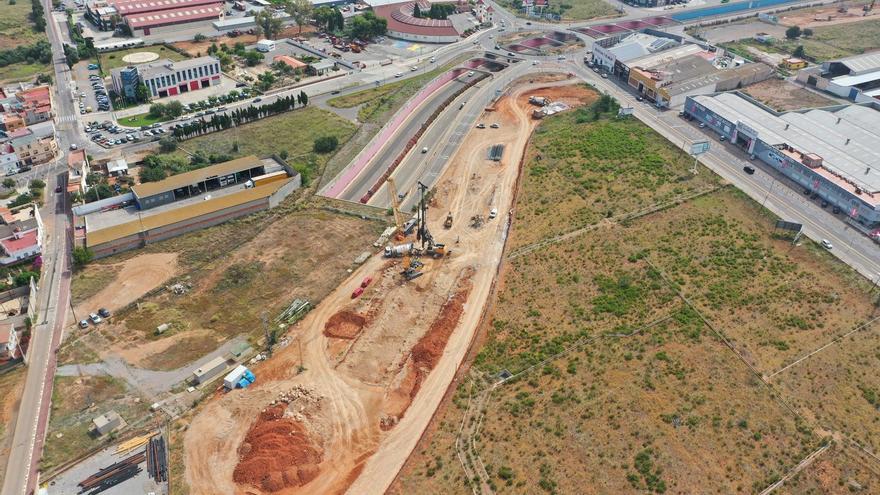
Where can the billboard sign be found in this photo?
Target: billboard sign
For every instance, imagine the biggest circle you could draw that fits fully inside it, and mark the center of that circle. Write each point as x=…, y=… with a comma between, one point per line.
x=699, y=147
x=624, y=111
x=793, y=226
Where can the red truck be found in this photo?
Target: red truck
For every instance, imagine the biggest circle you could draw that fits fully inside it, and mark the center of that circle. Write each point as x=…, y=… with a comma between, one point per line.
x=366, y=282
x=357, y=292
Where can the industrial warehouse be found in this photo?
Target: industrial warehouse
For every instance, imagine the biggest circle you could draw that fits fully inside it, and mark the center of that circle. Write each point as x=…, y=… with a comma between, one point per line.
x=193, y=200
x=855, y=78
x=830, y=152
x=666, y=69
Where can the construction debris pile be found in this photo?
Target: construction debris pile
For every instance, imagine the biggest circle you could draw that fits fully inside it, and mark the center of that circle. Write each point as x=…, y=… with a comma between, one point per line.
x=113, y=474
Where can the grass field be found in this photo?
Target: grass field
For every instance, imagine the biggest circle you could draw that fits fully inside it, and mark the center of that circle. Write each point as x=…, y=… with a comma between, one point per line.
x=841, y=470
x=75, y=402
x=381, y=102
x=141, y=119
x=16, y=29
x=87, y=283
x=826, y=43
x=572, y=10
x=22, y=72
x=644, y=343
x=292, y=132
x=112, y=60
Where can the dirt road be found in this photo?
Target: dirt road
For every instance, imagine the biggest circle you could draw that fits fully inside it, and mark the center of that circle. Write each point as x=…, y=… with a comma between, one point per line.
x=377, y=373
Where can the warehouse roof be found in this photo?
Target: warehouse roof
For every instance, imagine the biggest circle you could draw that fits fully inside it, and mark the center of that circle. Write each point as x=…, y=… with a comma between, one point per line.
x=187, y=212
x=195, y=176
x=175, y=16
x=859, y=79
x=127, y=7
x=845, y=138
x=861, y=63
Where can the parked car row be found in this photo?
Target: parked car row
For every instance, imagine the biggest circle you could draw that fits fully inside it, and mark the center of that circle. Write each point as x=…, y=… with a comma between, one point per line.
x=100, y=91
x=94, y=318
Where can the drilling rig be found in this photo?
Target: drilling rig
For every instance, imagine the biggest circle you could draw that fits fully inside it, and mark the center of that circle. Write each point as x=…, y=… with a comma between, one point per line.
x=428, y=246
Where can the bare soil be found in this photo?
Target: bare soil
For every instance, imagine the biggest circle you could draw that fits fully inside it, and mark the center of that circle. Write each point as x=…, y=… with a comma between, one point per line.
x=428, y=322
x=200, y=48
x=782, y=95
x=813, y=18
x=134, y=278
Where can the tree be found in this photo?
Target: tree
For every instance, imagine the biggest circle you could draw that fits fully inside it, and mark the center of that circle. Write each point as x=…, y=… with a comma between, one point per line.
x=142, y=93
x=798, y=52
x=253, y=57
x=167, y=144
x=323, y=16
x=417, y=11
x=148, y=174
x=212, y=49
x=300, y=11
x=37, y=184
x=199, y=37
x=325, y=144
x=793, y=32
x=367, y=26
x=82, y=256
x=157, y=110
x=269, y=25
x=174, y=109
x=304, y=98
x=807, y=32
x=44, y=79
x=71, y=54
x=9, y=183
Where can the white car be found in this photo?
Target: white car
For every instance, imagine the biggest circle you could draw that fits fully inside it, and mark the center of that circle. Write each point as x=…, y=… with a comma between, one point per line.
x=493, y=213
x=95, y=318
x=827, y=244
x=73, y=147
x=399, y=74
x=470, y=73
x=414, y=68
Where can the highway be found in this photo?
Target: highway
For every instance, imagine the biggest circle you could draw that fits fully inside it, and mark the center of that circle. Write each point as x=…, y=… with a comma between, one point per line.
x=29, y=430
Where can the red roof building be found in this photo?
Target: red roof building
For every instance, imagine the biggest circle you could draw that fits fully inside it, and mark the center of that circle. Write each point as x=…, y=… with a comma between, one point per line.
x=290, y=61
x=403, y=25
x=151, y=20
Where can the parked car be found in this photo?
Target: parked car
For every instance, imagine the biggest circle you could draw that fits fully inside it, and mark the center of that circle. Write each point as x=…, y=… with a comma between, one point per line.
x=470, y=73
x=104, y=313
x=84, y=323
x=93, y=66
x=827, y=244
x=493, y=213
x=95, y=318
x=257, y=100
x=58, y=188
x=399, y=74
x=73, y=147
x=481, y=126
x=749, y=170
x=495, y=125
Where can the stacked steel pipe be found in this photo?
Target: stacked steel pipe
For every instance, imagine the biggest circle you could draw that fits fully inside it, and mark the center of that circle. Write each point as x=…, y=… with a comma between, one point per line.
x=157, y=462
x=112, y=475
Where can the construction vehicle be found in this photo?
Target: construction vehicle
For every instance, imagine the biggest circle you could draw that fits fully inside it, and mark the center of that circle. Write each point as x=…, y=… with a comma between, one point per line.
x=399, y=250
x=448, y=223
x=539, y=100
x=428, y=245
x=395, y=208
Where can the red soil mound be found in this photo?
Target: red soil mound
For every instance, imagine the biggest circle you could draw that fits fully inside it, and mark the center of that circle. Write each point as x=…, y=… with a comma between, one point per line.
x=344, y=325
x=277, y=453
x=429, y=348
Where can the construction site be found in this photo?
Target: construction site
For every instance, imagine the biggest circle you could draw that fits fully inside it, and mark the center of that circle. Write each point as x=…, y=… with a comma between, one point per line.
x=342, y=406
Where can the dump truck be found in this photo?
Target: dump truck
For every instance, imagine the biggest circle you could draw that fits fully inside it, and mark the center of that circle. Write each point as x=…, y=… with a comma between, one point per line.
x=539, y=100
x=397, y=251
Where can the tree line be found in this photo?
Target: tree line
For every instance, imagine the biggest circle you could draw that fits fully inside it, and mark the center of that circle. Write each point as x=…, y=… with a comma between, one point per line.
x=40, y=51
x=239, y=116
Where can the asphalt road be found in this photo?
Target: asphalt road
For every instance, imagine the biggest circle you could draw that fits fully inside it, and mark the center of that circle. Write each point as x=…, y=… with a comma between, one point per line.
x=379, y=164
x=765, y=186
x=29, y=430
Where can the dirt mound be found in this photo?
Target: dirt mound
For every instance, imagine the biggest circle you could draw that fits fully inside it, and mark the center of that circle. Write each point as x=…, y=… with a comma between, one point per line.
x=277, y=453
x=429, y=348
x=344, y=325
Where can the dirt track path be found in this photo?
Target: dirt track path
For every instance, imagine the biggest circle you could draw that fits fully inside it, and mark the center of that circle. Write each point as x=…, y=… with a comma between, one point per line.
x=358, y=456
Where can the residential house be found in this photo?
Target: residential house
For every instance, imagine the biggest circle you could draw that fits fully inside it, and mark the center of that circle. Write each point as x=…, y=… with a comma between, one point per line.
x=35, y=144
x=21, y=235
x=8, y=341
x=10, y=122
x=117, y=168
x=8, y=159
x=35, y=104
x=77, y=171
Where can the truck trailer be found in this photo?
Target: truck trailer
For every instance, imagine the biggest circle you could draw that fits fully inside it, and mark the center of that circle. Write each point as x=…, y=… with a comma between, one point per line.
x=397, y=251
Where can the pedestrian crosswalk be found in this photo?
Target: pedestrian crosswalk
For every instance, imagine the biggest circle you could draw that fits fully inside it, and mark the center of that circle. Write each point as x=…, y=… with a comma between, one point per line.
x=65, y=118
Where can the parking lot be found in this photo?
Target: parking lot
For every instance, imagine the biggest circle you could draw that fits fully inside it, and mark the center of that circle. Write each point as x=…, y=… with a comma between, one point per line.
x=86, y=94
x=108, y=134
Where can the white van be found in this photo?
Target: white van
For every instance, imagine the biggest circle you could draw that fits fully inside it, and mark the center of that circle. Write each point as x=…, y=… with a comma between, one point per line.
x=493, y=213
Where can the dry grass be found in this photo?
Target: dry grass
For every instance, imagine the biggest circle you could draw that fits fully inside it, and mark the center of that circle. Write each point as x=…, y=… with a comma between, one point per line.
x=671, y=409
x=839, y=471
x=301, y=254
x=782, y=95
